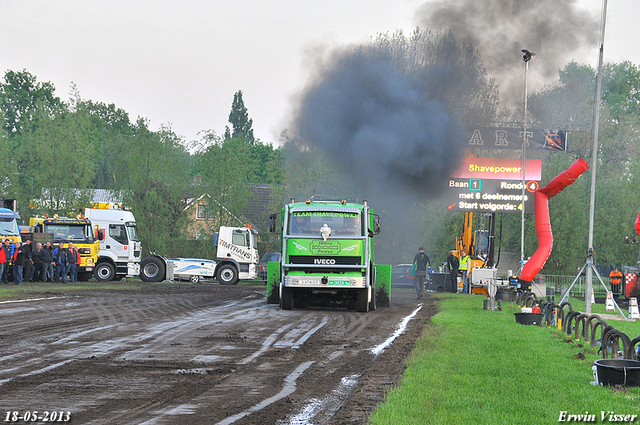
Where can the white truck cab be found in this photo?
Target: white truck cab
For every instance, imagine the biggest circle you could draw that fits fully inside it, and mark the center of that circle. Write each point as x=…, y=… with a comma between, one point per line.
x=120, y=249
x=236, y=259
x=237, y=254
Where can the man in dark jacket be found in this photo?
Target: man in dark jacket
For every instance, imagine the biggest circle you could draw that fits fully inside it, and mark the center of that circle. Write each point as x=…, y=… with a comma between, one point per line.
x=453, y=263
x=47, y=258
x=28, y=262
x=19, y=258
x=37, y=263
x=73, y=259
x=421, y=261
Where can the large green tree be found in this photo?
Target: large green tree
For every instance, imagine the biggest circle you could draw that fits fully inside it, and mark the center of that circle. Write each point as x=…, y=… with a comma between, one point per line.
x=155, y=182
x=23, y=99
x=225, y=173
x=241, y=124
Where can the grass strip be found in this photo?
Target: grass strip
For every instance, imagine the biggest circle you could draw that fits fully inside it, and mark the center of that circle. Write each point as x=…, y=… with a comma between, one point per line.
x=473, y=366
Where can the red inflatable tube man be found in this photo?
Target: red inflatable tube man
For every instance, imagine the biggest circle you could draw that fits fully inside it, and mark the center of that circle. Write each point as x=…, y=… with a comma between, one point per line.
x=543, y=223
x=638, y=223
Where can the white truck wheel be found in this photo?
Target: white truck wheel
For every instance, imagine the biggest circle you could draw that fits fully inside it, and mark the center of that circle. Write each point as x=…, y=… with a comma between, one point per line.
x=227, y=275
x=105, y=272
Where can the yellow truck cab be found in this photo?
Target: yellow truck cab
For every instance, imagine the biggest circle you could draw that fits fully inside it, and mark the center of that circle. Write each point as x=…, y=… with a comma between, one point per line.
x=76, y=230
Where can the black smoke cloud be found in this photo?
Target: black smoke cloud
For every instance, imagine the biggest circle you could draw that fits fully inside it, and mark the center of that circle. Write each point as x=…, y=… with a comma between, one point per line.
x=556, y=30
x=379, y=124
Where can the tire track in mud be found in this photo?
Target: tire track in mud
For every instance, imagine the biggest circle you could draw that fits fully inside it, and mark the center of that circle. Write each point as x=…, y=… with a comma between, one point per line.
x=168, y=357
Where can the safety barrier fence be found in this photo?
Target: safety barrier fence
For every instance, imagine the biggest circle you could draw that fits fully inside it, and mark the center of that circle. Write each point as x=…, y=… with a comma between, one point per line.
x=562, y=283
x=591, y=328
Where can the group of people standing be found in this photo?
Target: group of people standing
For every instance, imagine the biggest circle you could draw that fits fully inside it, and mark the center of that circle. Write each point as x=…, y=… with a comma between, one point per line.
x=42, y=264
x=456, y=267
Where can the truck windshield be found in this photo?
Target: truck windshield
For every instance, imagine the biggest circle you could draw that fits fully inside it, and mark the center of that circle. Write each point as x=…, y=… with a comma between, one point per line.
x=8, y=227
x=132, y=231
x=78, y=233
x=310, y=222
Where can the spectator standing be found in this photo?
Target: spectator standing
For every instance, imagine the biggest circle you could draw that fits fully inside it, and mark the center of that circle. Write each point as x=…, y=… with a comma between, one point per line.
x=3, y=259
x=60, y=258
x=28, y=262
x=421, y=261
x=73, y=260
x=47, y=259
x=19, y=258
x=616, y=280
x=37, y=263
x=8, y=252
x=465, y=263
x=453, y=264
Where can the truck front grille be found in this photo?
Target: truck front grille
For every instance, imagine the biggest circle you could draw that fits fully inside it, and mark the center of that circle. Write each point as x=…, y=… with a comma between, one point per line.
x=325, y=260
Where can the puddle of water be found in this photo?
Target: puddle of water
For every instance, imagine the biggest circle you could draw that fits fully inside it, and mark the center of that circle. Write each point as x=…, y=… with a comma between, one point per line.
x=399, y=331
x=190, y=371
x=288, y=389
x=326, y=406
x=208, y=359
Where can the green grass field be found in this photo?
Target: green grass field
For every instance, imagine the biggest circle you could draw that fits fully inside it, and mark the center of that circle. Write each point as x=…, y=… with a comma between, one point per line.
x=473, y=366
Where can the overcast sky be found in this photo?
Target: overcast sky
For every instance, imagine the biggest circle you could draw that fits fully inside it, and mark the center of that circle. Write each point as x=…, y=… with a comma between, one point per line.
x=180, y=62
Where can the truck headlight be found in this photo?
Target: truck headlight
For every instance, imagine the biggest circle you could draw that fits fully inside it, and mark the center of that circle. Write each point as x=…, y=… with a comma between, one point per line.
x=89, y=260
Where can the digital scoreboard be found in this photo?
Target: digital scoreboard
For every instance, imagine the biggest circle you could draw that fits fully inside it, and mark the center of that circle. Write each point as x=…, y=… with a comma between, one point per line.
x=493, y=186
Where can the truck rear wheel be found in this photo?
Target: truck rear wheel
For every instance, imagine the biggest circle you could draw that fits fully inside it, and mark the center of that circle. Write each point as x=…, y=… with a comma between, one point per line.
x=152, y=269
x=84, y=276
x=362, y=301
x=287, y=299
x=227, y=275
x=105, y=272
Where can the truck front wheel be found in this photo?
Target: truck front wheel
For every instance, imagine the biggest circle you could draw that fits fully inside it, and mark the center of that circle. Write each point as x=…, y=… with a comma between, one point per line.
x=105, y=272
x=152, y=269
x=227, y=275
x=287, y=299
x=362, y=301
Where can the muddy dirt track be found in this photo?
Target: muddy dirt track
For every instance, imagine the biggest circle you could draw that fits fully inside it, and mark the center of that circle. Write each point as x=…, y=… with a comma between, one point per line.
x=200, y=354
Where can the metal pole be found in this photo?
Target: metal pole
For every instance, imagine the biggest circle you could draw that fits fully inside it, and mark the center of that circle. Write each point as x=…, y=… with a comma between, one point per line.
x=524, y=158
x=596, y=125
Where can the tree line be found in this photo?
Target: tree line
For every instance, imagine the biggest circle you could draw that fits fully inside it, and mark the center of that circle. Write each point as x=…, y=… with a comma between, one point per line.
x=58, y=151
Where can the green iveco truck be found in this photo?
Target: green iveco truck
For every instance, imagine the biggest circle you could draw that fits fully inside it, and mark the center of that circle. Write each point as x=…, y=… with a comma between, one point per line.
x=327, y=256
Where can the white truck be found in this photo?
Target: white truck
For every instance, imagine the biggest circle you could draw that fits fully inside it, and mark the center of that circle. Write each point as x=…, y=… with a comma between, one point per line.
x=237, y=259
x=120, y=248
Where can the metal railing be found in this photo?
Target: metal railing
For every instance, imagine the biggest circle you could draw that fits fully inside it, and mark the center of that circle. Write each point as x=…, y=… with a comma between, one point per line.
x=562, y=283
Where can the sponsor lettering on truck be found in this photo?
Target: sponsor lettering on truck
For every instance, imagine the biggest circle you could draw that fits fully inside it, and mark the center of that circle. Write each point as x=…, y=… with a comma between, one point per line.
x=327, y=256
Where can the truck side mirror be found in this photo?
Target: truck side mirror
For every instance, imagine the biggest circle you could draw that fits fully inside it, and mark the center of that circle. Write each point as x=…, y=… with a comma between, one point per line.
x=377, y=227
x=100, y=234
x=272, y=224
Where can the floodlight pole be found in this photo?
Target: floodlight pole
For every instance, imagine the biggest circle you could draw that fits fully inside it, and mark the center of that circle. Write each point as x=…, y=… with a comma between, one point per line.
x=596, y=125
x=526, y=59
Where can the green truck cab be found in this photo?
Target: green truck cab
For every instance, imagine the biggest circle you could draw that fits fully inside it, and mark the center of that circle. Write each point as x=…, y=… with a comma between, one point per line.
x=327, y=256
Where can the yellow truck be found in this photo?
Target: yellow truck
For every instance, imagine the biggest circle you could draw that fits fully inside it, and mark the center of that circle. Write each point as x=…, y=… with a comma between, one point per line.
x=77, y=230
